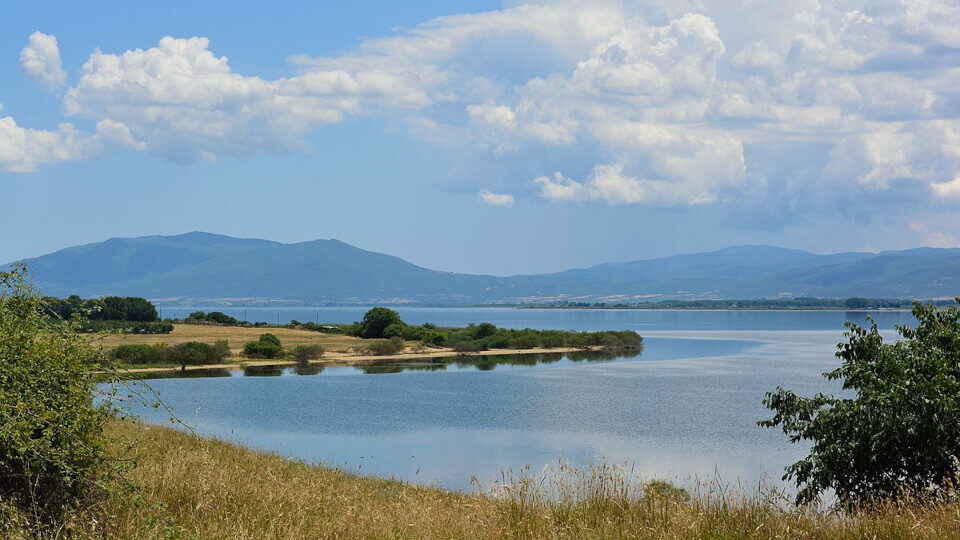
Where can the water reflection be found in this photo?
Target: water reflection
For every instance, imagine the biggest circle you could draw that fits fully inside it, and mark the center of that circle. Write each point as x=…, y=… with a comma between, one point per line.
x=181, y=374
x=312, y=369
x=385, y=367
x=263, y=371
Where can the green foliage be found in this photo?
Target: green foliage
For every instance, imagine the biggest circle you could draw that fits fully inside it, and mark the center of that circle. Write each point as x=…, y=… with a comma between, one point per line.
x=382, y=347
x=322, y=328
x=129, y=308
x=484, y=330
x=376, y=321
x=138, y=354
x=305, y=353
x=899, y=431
x=394, y=330
x=125, y=327
x=268, y=346
x=194, y=353
x=51, y=433
x=435, y=337
x=214, y=317
x=466, y=347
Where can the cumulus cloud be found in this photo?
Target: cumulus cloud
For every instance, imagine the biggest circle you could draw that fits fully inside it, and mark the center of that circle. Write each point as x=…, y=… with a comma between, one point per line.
x=668, y=103
x=610, y=184
x=23, y=149
x=40, y=59
x=495, y=199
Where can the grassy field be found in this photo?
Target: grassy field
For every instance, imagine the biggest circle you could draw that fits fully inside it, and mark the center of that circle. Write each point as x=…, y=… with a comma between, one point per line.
x=191, y=487
x=236, y=336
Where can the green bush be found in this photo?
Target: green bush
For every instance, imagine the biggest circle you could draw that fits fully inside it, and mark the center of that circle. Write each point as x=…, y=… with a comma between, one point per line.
x=413, y=333
x=465, y=347
x=305, y=353
x=194, y=353
x=138, y=354
x=52, y=457
x=394, y=330
x=268, y=346
x=376, y=321
x=484, y=330
x=897, y=432
x=381, y=347
x=435, y=338
x=322, y=328
x=214, y=317
x=125, y=327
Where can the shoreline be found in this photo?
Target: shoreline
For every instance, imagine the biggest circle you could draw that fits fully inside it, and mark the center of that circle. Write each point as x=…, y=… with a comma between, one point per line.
x=353, y=361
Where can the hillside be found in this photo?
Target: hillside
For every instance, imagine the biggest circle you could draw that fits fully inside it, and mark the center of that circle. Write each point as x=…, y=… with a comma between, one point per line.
x=197, y=266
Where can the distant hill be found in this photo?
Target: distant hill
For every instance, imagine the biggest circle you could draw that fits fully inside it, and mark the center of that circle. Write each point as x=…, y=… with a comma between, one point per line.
x=198, y=267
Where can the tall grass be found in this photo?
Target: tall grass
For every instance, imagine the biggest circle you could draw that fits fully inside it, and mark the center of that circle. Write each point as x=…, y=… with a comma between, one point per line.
x=195, y=487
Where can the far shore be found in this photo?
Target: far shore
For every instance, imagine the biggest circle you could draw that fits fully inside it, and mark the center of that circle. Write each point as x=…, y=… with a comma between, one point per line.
x=336, y=359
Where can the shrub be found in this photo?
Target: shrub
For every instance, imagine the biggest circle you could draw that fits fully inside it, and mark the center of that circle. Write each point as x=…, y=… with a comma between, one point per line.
x=435, y=338
x=268, y=346
x=126, y=327
x=222, y=348
x=138, y=354
x=376, y=321
x=270, y=338
x=484, y=330
x=304, y=353
x=381, y=347
x=193, y=353
x=898, y=432
x=394, y=330
x=219, y=317
x=52, y=457
x=524, y=342
x=465, y=347
x=413, y=333
x=580, y=340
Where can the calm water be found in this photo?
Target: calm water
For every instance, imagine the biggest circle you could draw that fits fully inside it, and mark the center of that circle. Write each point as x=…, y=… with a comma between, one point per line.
x=685, y=408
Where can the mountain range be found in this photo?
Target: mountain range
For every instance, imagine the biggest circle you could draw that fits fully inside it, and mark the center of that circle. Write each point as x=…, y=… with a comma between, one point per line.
x=198, y=267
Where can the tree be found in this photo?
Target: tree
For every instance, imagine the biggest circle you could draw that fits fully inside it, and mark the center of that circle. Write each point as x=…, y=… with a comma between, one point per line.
x=376, y=321
x=899, y=430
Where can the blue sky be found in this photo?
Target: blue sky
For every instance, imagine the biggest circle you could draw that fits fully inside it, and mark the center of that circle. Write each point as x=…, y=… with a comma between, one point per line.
x=481, y=136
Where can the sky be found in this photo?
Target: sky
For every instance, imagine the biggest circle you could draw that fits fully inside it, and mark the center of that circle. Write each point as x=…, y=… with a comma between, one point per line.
x=484, y=137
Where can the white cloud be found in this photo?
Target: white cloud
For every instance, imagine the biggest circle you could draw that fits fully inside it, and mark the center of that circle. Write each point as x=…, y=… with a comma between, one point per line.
x=495, y=199
x=24, y=149
x=40, y=59
x=608, y=183
x=948, y=190
x=668, y=102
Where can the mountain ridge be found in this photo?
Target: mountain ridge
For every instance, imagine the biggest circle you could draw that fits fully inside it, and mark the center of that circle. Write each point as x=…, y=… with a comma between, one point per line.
x=205, y=266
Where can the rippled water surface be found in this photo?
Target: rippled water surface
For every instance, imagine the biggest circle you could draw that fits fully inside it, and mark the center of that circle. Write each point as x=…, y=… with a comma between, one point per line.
x=686, y=407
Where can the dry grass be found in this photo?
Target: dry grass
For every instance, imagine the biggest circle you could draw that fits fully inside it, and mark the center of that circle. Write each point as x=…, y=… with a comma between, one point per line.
x=235, y=335
x=201, y=488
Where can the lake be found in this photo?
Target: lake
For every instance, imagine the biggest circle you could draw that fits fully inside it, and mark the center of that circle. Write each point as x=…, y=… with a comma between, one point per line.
x=685, y=409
